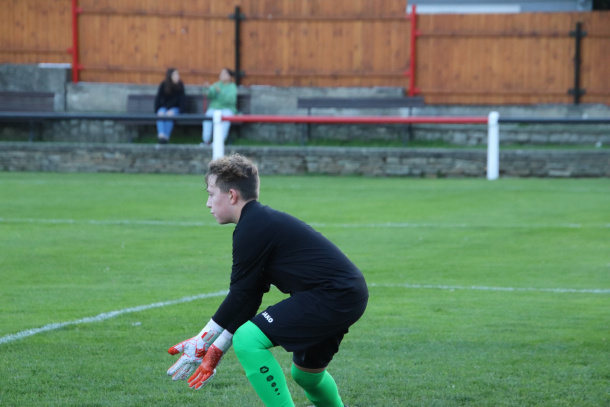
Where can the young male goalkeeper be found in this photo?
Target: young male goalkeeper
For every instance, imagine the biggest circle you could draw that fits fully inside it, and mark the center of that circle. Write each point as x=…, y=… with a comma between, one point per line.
x=327, y=295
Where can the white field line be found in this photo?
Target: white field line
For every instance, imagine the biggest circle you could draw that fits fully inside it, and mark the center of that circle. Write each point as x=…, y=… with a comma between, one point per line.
x=106, y=315
x=484, y=288
x=112, y=314
x=405, y=225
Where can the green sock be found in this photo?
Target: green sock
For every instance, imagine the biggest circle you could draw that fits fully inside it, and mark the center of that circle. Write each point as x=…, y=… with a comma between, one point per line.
x=320, y=388
x=263, y=371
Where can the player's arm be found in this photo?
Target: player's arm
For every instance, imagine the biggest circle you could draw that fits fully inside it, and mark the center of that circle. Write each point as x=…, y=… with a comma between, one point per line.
x=241, y=304
x=252, y=245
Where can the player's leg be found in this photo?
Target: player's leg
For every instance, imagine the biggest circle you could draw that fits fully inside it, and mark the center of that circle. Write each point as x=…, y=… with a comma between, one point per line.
x=312, y=331
x=319, y=386
x=309, y=371
x=265, y=374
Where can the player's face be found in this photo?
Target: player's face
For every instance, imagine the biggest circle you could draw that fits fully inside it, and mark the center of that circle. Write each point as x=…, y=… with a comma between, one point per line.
x=219, y=203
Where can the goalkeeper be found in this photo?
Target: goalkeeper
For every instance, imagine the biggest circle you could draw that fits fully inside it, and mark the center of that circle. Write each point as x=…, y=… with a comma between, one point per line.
x=327, y=295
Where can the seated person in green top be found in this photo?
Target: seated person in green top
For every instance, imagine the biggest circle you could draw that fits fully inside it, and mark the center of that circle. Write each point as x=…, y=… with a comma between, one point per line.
x=222, y=96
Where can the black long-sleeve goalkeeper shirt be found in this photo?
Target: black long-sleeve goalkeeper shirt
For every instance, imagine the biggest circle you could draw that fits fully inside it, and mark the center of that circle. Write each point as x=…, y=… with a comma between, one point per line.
x=272, y=247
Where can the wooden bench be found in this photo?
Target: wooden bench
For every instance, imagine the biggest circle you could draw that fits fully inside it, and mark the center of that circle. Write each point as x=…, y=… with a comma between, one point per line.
x=31, y=102
x=359, y=103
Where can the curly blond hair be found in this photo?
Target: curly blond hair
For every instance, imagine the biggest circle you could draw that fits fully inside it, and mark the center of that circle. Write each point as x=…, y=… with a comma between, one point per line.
x=235, y=172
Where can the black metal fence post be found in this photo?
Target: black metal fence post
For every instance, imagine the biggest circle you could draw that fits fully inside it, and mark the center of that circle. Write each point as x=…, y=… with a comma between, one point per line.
x=238, y=17
x=578, y=35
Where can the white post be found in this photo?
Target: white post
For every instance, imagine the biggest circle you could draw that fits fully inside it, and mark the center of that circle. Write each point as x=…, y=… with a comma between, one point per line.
x=218, y=143
x=493, y=146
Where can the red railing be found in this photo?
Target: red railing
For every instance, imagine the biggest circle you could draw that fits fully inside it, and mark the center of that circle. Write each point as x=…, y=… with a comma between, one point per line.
x=261, y=118
x=491, y=121
x=76, y=65
x=414, y=34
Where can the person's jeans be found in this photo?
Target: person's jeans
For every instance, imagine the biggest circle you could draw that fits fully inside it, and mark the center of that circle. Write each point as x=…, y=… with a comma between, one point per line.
x=207, y=125
x=166, y=126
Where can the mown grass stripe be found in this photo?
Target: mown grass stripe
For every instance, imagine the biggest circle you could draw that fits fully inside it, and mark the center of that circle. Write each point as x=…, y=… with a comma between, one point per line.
x=113, y=314
x=389, y=225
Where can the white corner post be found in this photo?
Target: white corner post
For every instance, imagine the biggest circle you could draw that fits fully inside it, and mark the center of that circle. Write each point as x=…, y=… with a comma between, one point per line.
x=493, y=146
x=218, y=143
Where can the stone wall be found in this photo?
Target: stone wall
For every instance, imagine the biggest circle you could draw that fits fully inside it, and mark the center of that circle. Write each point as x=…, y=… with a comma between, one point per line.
x=185, y=159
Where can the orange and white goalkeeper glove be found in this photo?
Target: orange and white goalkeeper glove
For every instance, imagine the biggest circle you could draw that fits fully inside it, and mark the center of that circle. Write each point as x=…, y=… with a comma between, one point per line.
x=193, y=351
x=207, y=369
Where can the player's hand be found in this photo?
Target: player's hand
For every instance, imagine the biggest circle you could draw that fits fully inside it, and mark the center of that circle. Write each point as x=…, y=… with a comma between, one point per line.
x=193, y=350
x=192, y=354
x=207, y=369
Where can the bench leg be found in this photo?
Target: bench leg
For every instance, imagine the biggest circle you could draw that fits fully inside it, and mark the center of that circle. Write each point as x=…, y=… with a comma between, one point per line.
x=32, y=136
x=407, y=134
x=307, y=134
x=304, y=134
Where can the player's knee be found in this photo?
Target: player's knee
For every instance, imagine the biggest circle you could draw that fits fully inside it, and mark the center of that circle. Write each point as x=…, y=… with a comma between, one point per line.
x=304, y=379
x=249, y=338
x=240, y=339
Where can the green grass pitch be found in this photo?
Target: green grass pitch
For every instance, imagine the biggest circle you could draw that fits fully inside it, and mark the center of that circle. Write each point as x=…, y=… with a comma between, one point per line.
x=482, y=293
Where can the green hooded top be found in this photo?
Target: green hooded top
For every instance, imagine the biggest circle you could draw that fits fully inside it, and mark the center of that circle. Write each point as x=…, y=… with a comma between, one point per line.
x=222, y=96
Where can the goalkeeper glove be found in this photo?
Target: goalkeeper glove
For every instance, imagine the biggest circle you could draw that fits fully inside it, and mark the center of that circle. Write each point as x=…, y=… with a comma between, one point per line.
x=206, y=371
x=193, y=351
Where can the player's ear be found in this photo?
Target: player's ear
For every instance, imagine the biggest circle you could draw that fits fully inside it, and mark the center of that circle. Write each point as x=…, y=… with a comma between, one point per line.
x=233, y=196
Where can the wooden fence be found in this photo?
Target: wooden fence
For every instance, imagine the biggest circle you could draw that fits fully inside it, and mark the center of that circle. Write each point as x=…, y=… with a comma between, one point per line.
x=460, y=59
x=512, y=58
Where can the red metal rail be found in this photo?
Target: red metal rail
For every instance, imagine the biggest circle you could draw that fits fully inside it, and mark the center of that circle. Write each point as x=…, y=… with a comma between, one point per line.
x=76, y=66
x=262, y=118
x=412, y=60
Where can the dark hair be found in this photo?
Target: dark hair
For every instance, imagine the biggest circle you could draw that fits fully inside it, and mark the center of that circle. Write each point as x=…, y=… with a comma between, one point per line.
x=235, y=172
x=230, y=72
x=169, y=86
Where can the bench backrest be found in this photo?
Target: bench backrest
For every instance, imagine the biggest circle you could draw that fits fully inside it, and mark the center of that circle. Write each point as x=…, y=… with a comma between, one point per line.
x=359, y=103
x=194, y=104
x=27, y=101
x=146, y=104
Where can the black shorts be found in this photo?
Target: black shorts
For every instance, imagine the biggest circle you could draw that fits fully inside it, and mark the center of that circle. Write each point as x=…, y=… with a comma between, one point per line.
x=309, y=328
